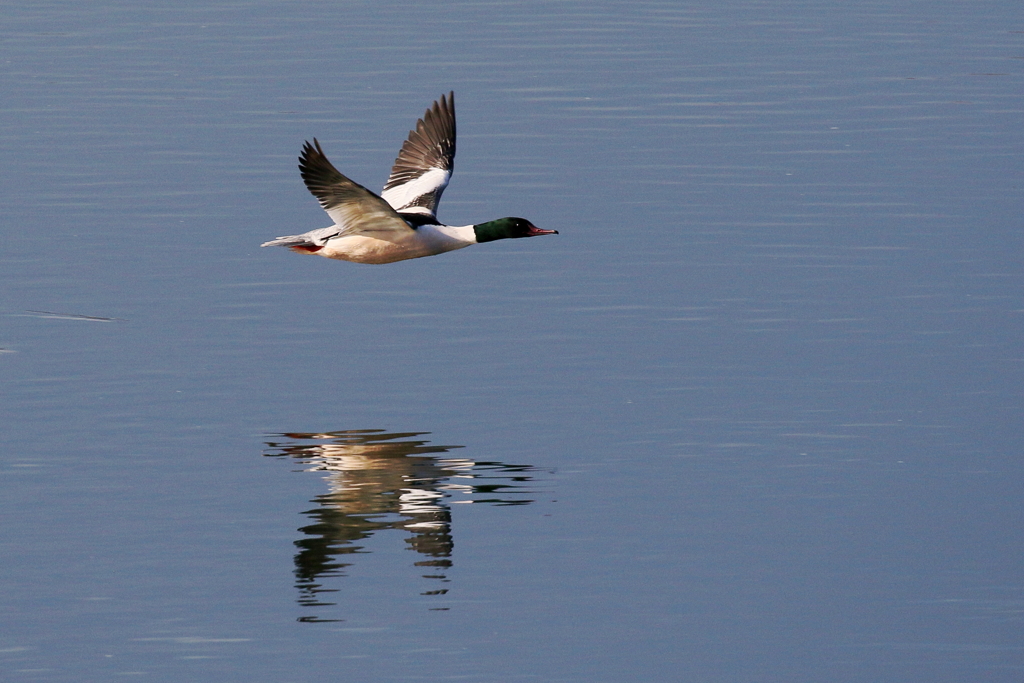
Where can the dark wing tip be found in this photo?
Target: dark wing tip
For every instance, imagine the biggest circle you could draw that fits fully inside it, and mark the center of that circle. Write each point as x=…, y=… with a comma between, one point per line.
x=444, y=109
x=311, y=154
x=443, y=112
x=433, y=140
x=322, y=179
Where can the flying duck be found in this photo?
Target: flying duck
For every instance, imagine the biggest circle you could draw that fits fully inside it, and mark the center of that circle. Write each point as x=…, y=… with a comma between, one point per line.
x=400, y=223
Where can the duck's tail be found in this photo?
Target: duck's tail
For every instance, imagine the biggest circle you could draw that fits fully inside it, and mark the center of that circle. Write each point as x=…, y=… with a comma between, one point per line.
x=289, y=241
x=300, y=243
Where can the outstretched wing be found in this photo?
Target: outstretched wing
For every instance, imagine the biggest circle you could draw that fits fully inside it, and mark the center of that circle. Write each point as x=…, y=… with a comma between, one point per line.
x=354, y=209
x=424, y=166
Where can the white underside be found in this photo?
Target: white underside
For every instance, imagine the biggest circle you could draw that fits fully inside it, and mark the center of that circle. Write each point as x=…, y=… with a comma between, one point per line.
x=427, y=240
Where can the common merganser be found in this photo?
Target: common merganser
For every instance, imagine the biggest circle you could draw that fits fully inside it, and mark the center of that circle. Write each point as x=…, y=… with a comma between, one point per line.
x=400, y=223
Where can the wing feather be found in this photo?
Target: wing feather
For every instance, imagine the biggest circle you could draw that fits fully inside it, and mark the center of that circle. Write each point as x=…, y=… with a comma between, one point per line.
x=425, y=162
x=354, y=209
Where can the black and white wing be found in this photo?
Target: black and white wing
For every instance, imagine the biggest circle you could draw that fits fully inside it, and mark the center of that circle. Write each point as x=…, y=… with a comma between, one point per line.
x=424, y=166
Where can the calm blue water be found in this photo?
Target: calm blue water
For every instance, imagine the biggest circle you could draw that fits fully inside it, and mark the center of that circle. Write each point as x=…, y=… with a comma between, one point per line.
x=754, y=415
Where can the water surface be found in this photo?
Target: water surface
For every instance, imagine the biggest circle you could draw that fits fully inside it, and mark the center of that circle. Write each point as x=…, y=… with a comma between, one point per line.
x=753, y=415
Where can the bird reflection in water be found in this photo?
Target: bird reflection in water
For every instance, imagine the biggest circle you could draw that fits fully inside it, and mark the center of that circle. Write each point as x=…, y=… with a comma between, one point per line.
x=382, y=480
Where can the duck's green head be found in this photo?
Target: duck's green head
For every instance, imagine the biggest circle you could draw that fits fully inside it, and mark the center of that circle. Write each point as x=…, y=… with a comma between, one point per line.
x=504, y=228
